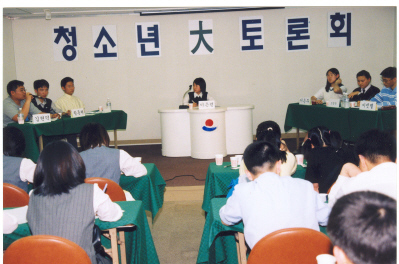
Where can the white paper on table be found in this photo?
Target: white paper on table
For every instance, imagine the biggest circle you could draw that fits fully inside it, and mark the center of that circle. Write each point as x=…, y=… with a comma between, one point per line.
x=19, y=213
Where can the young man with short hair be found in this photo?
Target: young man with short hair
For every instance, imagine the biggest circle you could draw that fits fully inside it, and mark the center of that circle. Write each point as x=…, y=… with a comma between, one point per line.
x=271, y=202
x=387, y=96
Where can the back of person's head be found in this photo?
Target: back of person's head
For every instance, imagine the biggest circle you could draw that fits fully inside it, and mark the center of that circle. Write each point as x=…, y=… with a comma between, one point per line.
x=375, y=144
x=13, y=142
x=260, y=157
x=65, y=81
x=321, y=136
x=363, y=225
x=202, y=84
x=364, y=73
x=389, y=72
x=40, y=83
x=13, y=85
x=59, y=169
x=270, y=131
x=93, y=135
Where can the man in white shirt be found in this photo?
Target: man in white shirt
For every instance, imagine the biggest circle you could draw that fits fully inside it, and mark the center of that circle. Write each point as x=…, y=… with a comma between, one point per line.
x=271, y=202
x=377, y=153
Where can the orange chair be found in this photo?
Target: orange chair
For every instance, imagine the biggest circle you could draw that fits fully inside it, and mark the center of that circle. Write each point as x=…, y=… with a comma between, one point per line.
x=114, y=191
x=290, y=245
x=43, y=249
x=14, y=196
x=116, y=194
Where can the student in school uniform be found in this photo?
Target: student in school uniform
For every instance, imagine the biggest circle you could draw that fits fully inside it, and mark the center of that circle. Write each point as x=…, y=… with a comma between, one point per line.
x=41, y=101
x=365, y=91
x=103, y=161
x=332, y=90
x=199, y=93
x=16, y=169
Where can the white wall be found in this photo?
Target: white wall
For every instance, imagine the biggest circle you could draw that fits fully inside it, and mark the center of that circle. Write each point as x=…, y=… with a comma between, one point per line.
x=268, y=79
x=9, y=72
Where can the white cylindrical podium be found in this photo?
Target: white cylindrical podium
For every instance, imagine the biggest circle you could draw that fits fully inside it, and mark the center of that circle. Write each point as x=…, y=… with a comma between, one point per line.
x=208, y=132
x=238, y=128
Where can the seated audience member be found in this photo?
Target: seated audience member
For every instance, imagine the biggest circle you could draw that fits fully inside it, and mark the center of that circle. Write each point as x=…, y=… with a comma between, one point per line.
x=271, y=202
x=387, y=96
x=365, y=91
x=41, y=101
x=199, y=93
x=362, y=227
x=325, y=154
x=333, y=89
x=67, y=102
x=270, y=131
x=377, y=153
x=16, y=170
x=103, y=161
x=18, y=98
x=62, y=204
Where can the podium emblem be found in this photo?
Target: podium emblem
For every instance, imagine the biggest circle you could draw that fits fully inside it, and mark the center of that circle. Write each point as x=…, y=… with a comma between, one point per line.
x=209, y=126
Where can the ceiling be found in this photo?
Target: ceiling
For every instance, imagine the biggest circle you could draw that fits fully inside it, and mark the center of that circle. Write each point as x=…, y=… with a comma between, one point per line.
x=39, y=12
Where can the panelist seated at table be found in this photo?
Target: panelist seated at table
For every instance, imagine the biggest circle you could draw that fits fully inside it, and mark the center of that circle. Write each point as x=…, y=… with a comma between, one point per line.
x=271, y=202
x=365, y=91
x=103, y=161
x=333, y=89
x=16, y=169
x=62, y=204
x=270, y=131
x=362, y=228
x=41, y=101
x=18, y=98
x=387, y=96
x=199, y=93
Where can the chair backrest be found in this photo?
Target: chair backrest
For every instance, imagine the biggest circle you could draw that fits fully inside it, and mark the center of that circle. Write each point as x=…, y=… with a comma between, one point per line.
x=13, y=196
x=290, y=245
x=45, y=249
x=114, y=191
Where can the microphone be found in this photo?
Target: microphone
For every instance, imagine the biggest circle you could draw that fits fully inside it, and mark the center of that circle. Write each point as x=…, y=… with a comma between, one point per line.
x=182, y=106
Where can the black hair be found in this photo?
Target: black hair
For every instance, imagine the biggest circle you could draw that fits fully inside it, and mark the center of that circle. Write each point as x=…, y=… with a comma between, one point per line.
x=40, y=83
x=59, y=169
x=363, y=225
x=364, y=73
x=13, y=142
x=334, y=71
x=13, y=85
x=389, y=72
x=93, y=135
x=374, y=143
x=320, y=136
x=65, y=81
x=202, y=84
x=270, y=131
x=261, y=156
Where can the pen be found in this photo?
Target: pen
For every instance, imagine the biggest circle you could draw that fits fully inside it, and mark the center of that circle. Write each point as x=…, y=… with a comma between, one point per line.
x=105, y=187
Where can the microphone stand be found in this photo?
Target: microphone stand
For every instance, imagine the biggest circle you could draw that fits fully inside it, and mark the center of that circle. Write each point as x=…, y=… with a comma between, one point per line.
x=183, y=106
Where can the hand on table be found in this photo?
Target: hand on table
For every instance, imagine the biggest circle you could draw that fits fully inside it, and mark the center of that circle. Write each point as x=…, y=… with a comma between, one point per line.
x=55, y=116
x=195, y=104
x=353, y=94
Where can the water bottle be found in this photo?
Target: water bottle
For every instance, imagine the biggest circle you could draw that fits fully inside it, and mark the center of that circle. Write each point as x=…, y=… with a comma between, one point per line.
x=20, y=116
x=345, y=101
x=108, y=105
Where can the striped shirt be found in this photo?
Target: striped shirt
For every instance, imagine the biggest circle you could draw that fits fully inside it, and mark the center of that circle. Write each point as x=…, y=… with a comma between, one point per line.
x=386, y=97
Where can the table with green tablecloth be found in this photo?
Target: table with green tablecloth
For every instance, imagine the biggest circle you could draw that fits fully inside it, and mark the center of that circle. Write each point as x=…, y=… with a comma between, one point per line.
x=218, y=179
x=349, y=122
x=149, y=188
x=218, y=244
x=117, y=119
x=140, y=247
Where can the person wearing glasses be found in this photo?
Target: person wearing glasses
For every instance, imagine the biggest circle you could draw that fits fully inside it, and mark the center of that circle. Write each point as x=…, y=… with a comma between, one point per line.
x=387, y=96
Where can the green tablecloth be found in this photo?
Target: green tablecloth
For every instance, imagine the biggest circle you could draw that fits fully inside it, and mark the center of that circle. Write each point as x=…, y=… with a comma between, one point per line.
x=149, y=189
x=117, y=119
x=140, y=247
x=350, y=123
x=218, y=243
x=218, y=179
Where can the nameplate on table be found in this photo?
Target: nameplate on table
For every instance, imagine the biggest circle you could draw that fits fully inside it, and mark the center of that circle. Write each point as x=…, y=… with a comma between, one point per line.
x=77, y=112
x=333, y=103
x=41, y=118
x=369, y=106
x=206, y=105
x=305, y=101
